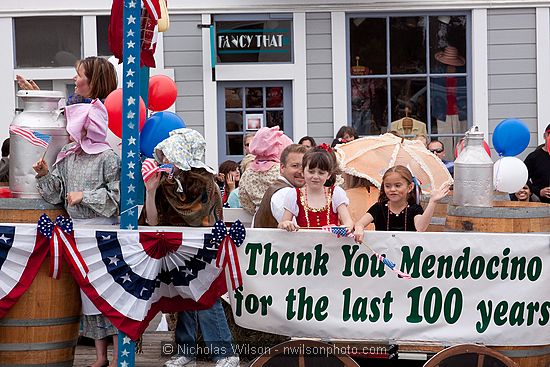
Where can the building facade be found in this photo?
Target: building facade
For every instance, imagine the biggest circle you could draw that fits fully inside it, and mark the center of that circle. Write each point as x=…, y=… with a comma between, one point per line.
x=312, y=67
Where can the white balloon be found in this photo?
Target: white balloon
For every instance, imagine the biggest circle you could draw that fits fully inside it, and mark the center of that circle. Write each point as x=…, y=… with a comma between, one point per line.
x=118, y=68
x=509, y=174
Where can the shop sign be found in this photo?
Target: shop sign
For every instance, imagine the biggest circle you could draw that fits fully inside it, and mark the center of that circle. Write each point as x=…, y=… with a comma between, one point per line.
x=254, y=41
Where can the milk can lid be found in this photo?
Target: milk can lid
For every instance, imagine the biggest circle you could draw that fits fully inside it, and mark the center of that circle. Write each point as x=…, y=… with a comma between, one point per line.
x=40, y=94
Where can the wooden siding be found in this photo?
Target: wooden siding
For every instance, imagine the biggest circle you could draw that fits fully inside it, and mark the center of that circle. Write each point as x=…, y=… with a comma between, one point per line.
x=512, y=68
x=319, y=77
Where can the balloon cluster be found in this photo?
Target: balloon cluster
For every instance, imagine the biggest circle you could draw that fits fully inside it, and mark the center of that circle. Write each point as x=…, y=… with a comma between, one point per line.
x=510, y=138
x=162, y=94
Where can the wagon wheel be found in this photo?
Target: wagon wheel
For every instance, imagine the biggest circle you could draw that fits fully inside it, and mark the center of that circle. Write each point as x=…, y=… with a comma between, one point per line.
x=301, y=353
x=469, y=355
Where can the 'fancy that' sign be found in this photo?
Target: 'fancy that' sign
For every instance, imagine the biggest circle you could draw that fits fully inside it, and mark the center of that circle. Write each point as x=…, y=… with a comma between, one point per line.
x=254, y=41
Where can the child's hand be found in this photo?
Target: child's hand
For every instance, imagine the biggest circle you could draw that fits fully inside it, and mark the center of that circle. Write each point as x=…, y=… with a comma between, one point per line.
x=440, y=193
x=359, y=234
x=153, y=182
x=288, y=225
x=230, y=182
x=74, y=197
x=41, y=168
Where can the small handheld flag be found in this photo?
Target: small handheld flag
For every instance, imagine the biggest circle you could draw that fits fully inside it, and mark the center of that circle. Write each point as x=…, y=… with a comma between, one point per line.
x=33, y=137
x=149, y=167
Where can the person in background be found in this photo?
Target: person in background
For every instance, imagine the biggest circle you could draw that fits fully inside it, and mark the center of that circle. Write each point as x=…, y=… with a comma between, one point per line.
x=308, y=142
x=319, y=202
x=524, y=194
x=271, y=209
x=5, y=161
x=538, y=166
x=344, y=135
x=267, y=146
x=233, y=199
x=229, y=172
x=397, y=208
x=437, y=148
x=246, y=143
x=190, y=198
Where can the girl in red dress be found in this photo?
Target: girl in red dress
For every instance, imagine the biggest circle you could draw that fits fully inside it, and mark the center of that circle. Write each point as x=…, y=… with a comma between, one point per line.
x=319, y=203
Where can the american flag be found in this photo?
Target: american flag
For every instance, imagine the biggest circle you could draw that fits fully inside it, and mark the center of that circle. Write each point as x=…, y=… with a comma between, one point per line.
x=33, y=137
x=339, y=231
x=150, y=167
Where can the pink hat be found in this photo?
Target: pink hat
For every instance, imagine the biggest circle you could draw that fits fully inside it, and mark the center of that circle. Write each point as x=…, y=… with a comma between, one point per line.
x=267, y=145
x=87, y=125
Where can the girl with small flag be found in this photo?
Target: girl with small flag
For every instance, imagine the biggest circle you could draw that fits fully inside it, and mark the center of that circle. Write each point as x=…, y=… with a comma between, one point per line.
x=319, y=202
x=86, y=177
x=397, y=208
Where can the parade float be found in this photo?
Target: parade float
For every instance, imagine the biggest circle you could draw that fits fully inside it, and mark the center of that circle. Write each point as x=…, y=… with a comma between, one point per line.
x=399, y=295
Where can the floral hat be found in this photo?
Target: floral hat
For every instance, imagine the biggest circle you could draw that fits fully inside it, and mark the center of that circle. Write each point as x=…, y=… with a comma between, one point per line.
x=184, y=148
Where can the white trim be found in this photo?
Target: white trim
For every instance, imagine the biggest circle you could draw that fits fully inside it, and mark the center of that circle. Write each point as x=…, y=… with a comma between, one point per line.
x=45, y=73
x=159, y=51
x=299, y=93
x=89, y=36
x=7, y=79
x=229, y=73
x=543, y=71
x=339, y=71
x=210, y=99
x=480, y=80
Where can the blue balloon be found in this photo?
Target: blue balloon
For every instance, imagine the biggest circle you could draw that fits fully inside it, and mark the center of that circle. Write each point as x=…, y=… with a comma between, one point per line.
x=511, y=137
x=156, y=129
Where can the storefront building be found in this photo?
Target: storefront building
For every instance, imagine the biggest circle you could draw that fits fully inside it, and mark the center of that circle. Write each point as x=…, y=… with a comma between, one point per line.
x=313, y=67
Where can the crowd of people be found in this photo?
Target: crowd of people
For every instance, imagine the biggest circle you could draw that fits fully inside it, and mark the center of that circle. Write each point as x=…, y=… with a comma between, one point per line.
x=282, y=184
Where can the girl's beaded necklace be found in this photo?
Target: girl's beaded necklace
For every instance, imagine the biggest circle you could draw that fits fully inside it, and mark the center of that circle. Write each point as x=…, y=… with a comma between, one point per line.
x=307, y=209
x=388, y=217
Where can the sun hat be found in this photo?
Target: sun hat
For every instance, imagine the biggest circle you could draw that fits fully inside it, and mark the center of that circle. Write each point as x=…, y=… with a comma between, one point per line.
x=87, y=125
x=184, y=148
x=450, y=56
x=267, y=146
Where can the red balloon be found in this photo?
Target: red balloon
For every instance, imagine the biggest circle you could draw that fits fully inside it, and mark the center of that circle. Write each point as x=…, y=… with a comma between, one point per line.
x=162, y=92
x=460, y=146
x=113, y=103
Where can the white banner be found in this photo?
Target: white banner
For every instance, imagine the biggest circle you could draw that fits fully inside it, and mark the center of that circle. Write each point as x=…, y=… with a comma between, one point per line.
x=465, y=288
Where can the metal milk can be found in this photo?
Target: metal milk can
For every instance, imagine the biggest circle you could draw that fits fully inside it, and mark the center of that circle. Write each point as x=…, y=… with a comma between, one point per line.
x=473, y=173
x=40, y=114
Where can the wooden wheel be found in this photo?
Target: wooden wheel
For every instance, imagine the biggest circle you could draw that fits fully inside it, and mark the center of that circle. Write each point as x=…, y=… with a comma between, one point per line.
x=469, y=355
x=304, y=353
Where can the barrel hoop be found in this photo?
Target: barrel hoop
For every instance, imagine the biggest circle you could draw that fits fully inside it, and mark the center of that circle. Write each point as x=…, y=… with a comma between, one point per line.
x=498, y=212
x=40, y=322
x=524, y=353
x=20, y=347
x=438, y=221
x=56, y=364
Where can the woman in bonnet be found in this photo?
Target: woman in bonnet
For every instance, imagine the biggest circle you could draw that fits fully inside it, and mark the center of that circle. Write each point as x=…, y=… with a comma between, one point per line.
x=189, y=197
x=267, y=146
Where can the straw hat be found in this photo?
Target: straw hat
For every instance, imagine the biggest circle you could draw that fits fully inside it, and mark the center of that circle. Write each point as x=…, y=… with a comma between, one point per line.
x=450, y=56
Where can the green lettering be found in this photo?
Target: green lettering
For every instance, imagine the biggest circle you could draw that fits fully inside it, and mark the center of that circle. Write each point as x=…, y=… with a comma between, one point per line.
x=476, y=267
x=349, y=253
x=485, y=311
x=254, y=249
x=444, y=263
x=347, y=300
x=304, y=263
x=411, y=263
x=516, y=313
x=531, y=309
x=427, y=266
x=534, y=268
x=493, y=261
x=500, y=313
x=461, y=265
x=287, y=263
x=321, y=260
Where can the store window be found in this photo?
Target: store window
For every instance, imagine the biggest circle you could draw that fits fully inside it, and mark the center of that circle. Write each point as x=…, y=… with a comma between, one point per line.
x=102, y=29
x=410, y=70
x=47, y=41
x=244, y=108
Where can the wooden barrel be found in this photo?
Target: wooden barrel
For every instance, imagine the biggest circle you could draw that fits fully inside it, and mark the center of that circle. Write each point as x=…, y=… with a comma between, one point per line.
x=437, y=223
x=504, y=216
x=42, y=327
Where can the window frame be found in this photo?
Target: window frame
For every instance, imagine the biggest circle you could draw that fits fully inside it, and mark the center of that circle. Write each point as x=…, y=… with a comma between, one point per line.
x=427, y=76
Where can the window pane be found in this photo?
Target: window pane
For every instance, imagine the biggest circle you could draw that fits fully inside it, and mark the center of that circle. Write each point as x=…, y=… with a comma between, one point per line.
x=409, y=98
x=234, y=145
x=233, y=121
x=47, y=41
x=233, y=98
x=448, y=44
x=367, y=46
x=407, y=45
x=274, y=96
x=254, y=98
x=275, y=118
x=369, y=106
x=102, y=27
